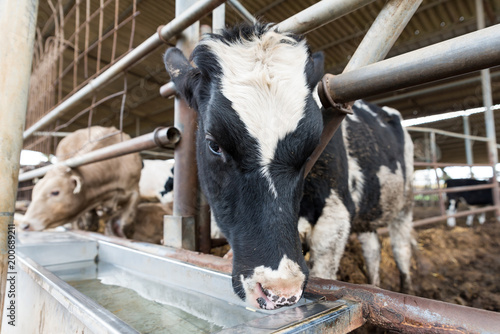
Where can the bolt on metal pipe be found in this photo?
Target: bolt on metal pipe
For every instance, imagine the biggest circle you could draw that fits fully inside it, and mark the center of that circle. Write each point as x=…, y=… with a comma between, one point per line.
x=160, y=137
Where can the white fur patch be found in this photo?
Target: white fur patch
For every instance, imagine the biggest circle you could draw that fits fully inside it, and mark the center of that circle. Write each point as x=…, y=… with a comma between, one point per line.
x=356, y=177
x=265, y=81
x=305, y=230
x=371, y=253
x=286, y=281
x=329, y=237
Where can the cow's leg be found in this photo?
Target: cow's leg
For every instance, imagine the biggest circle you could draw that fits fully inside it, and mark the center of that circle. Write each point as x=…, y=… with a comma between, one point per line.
x=400, y=232
x=371, y=252
x=452, y=209
x=127, y=216
x=329, y=237
x=482, y=218
x=470, y=220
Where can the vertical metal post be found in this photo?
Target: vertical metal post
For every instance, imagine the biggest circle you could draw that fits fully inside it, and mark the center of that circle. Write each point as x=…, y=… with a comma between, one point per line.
x=435, y=167
x=468, y=144
x=219, y=18
x=204, y=224
x=488, y=116
x=18, y=24
x=180, y=229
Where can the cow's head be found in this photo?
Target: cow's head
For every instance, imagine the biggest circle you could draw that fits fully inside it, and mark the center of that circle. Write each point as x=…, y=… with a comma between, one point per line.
x=56, y=199
x=257, y=125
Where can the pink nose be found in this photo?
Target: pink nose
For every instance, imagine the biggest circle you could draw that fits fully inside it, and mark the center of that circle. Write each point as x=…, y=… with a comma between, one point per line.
x=269, y=300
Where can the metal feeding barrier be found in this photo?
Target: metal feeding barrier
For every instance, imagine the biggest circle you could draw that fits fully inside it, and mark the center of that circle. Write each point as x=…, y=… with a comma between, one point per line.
x=365, y=74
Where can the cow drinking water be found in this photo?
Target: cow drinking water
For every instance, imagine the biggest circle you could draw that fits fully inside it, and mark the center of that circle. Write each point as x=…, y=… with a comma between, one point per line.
x=110, y=187
x=259, y=120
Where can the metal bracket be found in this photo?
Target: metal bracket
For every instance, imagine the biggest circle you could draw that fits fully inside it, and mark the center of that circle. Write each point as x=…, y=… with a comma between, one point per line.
x=179, y=232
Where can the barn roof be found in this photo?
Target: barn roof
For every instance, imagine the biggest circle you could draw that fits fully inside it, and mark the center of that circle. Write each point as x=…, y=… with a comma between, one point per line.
x=98, y=32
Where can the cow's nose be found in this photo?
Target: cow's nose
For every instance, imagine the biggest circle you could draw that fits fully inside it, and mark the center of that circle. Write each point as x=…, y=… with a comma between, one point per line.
x=270, y=299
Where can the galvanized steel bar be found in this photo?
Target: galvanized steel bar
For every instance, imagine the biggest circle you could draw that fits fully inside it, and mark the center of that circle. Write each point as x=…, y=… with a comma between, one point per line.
x=449, y=58
x=185, y=119
x=18, y=24
x=219, y=19
x=488, y=115
x=242, y=11
x=320, y=14
x=160, y=137
x=469, y=157
x=175, y=27
x=408, y=314
x=385, y=30
x=383, y=33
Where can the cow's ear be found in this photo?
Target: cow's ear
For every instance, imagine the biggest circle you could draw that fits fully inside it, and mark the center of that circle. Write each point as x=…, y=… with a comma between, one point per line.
x=315, y=69
x=77, y=183
x=184, y=76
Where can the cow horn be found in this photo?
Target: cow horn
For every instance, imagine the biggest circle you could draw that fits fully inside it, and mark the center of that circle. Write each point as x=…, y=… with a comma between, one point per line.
x=78, y=182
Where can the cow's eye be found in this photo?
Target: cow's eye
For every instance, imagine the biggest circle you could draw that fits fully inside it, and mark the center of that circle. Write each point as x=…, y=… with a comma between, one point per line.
x=214, y=147
x=54, y=193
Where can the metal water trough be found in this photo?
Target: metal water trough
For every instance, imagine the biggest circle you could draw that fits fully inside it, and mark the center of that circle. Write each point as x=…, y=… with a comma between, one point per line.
x=69, y=283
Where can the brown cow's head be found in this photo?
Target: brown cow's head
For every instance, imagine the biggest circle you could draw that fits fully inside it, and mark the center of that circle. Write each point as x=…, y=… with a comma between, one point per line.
x=56, y=199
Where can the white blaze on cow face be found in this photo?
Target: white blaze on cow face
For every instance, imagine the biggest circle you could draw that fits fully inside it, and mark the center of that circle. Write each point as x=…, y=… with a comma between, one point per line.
x=270, y=289
x=267, y=96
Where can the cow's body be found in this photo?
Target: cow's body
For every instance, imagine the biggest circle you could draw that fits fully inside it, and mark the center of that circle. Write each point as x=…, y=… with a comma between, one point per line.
x=471, y=198
x=155, y=175
x=148, y=225
x=361, y=182
x=109, y=187
x=259, y=121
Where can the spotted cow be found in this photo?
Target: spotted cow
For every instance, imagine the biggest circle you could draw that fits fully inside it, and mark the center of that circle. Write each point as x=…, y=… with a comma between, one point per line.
x=471, y=198
x=259, y=120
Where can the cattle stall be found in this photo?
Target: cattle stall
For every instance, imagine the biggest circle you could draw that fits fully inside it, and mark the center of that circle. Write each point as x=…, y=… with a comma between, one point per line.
x=357, y=305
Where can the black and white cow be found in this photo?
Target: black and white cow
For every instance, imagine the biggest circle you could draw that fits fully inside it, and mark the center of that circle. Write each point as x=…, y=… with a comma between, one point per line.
x=259, y=120
x=470, y=198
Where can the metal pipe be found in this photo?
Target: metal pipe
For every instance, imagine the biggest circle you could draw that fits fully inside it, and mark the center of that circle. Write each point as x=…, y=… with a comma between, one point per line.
x=185, y=119
x=488, y=115
x=446, y=133
x=320, y=14
x=449, y=58
x=383, y=33
x=386, y=29
x=408, y=314
x=454, y=189
x=242, y=11
x=433, y=89
x=18, y=24
x=160, y=137
x=469, y=157
x=173, y=28
x=219, y=19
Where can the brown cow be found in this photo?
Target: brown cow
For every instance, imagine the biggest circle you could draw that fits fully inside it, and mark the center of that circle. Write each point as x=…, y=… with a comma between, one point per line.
x=65, y=194
x=148, y=225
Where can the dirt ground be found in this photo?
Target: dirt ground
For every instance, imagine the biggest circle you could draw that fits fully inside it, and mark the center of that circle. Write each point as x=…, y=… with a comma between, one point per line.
x=459, y=265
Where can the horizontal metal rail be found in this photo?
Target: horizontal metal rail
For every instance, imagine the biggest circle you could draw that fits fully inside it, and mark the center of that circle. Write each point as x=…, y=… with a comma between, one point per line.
x=175, y=27
x=430, y=220
x=454, y=189
x=160, y=137
x=453, y=57
x=408, y=314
